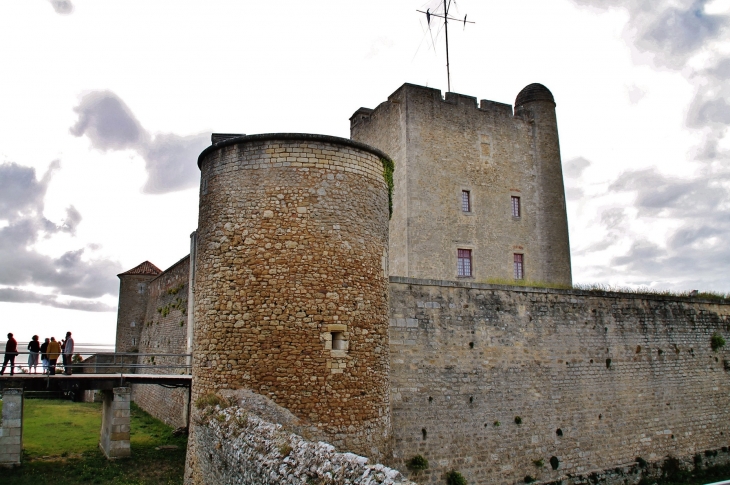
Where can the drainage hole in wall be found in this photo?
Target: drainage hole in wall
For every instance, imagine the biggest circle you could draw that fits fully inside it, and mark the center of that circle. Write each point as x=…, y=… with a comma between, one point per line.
x=471, y=345
x=559, y=432
x=554, y=462
x=430, y=399
x=423, y=432
x=600, y=416
x=608, y=363
x=591, y=361
x=660, y=351
x=672, y=436
x=471, y=399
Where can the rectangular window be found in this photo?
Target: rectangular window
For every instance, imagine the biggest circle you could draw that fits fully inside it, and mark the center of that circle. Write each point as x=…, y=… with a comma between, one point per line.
x=463, y=267
x=519, y=267
x=515, y=206
x=465, y=201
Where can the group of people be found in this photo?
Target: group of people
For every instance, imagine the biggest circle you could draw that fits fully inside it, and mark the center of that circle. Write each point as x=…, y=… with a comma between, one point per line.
x=48, y=352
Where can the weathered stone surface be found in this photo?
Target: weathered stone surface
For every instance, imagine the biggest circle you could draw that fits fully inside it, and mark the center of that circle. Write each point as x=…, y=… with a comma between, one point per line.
x=291, y=284
x=444, y=146
x=164, y=331
x=239, y=447
x=596, y=380
x=115, y=423
x=11, y=431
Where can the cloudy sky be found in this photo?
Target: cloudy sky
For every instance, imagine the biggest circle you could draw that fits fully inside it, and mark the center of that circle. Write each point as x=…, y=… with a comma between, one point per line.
x=105, y=105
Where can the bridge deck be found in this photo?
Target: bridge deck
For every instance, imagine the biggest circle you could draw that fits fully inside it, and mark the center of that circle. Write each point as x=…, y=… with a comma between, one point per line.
x=81, y=382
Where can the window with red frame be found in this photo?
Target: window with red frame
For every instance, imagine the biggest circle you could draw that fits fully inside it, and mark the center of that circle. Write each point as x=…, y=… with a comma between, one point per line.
x=463, y=267
x=519, y=266
x=465, y=201
x=515, y=206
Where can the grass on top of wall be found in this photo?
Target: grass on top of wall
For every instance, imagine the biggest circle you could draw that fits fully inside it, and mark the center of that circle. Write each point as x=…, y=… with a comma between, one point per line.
x=599, y=288
x=60, y=446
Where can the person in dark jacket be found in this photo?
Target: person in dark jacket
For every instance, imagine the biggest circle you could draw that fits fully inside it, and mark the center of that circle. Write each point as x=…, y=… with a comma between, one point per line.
x=44, y=355
x=34, y=349
x=11, y=350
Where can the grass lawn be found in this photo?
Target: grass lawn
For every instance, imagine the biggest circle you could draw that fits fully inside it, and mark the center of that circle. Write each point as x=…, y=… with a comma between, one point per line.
x=60, y=446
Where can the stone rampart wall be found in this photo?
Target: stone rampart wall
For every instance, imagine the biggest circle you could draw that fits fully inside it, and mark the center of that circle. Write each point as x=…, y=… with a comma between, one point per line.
x=164, y=331
x=594, y=380
x=255, y=442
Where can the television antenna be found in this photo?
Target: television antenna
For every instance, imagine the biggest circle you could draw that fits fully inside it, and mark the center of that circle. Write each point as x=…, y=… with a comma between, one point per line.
x=446, y=18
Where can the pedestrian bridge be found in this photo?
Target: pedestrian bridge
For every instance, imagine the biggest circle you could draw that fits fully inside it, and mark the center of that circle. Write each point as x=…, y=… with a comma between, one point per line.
x=111, y=373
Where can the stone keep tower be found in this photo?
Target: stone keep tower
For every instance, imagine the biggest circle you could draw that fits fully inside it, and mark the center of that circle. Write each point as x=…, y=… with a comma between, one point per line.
x=478, y=189
x=291, y=281
x=133, y=294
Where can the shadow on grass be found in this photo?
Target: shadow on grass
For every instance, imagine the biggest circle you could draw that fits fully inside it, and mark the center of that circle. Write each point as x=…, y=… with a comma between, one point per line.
x=60, y=443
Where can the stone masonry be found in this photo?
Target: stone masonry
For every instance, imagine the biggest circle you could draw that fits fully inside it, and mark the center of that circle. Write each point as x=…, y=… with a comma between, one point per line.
x=133, y=298
x=164, y=331
x=596, y=380
x=291, y=281
x=115, y=423
x=251, y=440
x=11, y=431
x=443, y=147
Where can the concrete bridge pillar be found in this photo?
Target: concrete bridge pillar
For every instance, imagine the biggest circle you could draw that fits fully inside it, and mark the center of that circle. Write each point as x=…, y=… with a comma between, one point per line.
x=115, y=423
x=11, y=433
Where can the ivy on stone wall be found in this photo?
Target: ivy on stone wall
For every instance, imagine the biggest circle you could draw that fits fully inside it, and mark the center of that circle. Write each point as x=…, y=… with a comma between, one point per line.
x=388, y=169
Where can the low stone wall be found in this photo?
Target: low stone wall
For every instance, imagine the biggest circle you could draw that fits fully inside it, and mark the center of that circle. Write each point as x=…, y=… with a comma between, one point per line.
x=240, y=444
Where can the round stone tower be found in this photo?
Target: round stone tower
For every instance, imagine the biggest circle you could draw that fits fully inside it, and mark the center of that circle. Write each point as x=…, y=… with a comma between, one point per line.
x=536, y=103
x=291, y=288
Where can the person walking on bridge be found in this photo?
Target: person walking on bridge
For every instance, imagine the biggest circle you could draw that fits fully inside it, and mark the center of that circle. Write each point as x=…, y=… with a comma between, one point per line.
x=11, y=350
x=54, y=350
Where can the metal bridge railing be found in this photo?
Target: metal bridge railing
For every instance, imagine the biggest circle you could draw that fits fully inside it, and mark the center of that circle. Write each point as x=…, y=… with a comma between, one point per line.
x=114, y=363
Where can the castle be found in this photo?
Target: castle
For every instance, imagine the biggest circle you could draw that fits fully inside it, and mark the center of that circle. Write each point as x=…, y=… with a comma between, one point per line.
x=363, y=286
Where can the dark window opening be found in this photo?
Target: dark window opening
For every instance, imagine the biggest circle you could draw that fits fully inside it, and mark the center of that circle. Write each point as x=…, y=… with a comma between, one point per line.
x=338, y=341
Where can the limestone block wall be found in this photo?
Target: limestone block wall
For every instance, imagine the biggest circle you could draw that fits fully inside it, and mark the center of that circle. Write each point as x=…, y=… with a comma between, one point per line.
x=252, y=441
x=594, y=380
x=164, y=331
x=11, y=427
x=291, y=284
x=445, y=145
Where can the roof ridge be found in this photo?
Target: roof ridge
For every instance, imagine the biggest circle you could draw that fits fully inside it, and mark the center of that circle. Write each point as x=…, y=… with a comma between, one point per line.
x=145, y=268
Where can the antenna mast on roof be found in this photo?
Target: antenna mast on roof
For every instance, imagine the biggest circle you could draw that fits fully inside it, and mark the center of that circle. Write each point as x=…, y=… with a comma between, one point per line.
x=446, y=18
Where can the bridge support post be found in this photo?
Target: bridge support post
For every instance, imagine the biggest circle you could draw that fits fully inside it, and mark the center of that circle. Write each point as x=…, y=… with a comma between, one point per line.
x=115, y=423
x=11, y=433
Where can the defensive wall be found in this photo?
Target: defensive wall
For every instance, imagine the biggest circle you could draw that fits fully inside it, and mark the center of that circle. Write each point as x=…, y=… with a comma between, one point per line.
x=595, y=380
x=164, y=331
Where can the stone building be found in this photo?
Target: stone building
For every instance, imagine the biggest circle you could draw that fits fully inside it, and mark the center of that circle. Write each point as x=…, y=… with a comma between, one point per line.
x=403, y=337
x=478, y=189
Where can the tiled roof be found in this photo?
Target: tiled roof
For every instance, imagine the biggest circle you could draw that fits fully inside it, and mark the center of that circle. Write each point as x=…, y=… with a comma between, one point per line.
x=145, y=268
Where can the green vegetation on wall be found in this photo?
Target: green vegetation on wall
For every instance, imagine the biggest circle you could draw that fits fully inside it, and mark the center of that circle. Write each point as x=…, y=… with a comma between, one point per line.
x=388, y=169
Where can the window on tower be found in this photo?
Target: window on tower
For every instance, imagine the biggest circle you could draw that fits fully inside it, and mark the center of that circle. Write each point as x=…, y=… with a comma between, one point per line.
x=519, y=266
x=463, y=266
x=515, y=206
x=465, y=201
